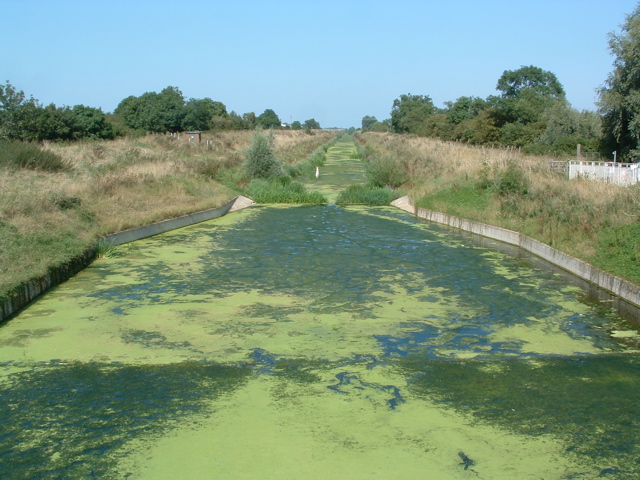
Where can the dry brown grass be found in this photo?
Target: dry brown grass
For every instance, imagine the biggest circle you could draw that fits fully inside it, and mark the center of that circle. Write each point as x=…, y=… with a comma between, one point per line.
x=293, y=145
x=48, y=218
x=568, y=214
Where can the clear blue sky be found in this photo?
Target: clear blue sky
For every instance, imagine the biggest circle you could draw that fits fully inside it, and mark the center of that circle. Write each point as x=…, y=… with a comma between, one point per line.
x=335, y=61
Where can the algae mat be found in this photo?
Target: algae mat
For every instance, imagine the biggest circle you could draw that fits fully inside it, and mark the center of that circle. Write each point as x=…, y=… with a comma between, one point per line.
x=317, y=342
x=339, y=171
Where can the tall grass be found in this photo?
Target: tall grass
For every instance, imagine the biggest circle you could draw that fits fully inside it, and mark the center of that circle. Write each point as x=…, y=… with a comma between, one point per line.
x=282, y=190
x=49, y=215
x=522, y=193
x=291, y=146
x=15, y=155
x=363, y=194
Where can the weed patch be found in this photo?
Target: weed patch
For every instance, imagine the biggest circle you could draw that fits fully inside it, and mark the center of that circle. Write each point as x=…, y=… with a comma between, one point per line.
x=383, y=171
x=362, y=194
x=282, y=190
x=14, y=154
x=619, y=251
x=459, y=199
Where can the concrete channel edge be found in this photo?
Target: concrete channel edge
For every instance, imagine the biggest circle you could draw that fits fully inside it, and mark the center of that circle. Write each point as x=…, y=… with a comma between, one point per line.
x=35, y=287
x=617, y=286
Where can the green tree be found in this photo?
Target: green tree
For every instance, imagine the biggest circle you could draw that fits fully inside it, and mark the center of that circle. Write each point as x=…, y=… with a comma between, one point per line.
x=296, y=125
x=481, y=129
x=409, y=111
x=154, y=112
x=566, y=127
x=384, y=126
x=18, y=116
x=465, y=108
x=237, y=122
x=260, y=158
x=526, y=94
x=312, y=123
x=513, y=82
x=25, y=119
x=250, y=120
x=436, y=125
x=367, y=121
x=200, y=114
x=620, y=96
x=171, y=109
x=10, y=98
x=92, y=123
x=268, y=119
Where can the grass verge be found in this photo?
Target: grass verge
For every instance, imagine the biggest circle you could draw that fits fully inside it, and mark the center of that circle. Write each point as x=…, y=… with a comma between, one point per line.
x=57, y=200
x=366, y=194
x=282, y=190
x=593, y=221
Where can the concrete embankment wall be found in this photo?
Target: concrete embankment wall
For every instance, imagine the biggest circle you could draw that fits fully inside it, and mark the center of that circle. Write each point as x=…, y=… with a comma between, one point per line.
x=624, y=289
x=32, y=289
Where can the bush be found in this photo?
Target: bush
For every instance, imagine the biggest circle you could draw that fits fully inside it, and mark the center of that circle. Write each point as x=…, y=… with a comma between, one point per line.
x=260, y=159
x=362, y=194
x=15, y=154
x=386, y=171
x=512, y=180
x=282, y=190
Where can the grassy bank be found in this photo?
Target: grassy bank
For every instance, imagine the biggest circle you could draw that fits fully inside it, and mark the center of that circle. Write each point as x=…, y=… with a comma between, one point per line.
x=57, y=207
x=593, y=221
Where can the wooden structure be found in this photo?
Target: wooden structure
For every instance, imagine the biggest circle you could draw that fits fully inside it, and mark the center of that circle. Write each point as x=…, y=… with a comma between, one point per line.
x=194, y=137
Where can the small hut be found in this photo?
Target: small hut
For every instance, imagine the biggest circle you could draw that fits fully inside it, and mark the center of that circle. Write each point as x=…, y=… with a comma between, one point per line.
x=194, y=137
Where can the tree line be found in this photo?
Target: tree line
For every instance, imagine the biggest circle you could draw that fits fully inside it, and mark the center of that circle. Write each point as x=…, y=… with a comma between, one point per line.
x=531, y=111
x=26, y=119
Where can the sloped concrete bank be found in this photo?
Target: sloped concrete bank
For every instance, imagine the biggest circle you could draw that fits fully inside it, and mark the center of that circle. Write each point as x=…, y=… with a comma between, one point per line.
x=617, y=286
x=35, y=287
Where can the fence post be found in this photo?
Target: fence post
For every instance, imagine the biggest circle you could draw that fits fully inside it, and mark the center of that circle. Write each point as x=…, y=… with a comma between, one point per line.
x=579, y=151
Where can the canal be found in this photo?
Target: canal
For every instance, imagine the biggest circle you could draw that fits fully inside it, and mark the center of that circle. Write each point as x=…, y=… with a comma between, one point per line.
x=318, y=342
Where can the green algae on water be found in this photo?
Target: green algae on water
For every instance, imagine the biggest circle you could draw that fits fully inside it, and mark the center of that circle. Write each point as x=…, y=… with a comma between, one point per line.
x=317, y=342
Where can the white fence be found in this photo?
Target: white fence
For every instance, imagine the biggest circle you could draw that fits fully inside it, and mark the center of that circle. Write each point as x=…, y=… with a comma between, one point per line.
x=618, y=173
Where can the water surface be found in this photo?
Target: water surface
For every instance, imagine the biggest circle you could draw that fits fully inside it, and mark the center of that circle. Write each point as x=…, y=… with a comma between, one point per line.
x=317, y=342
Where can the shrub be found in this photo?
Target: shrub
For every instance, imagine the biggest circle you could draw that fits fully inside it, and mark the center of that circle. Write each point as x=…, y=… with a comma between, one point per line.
x=362, y=194
x=386, y=171
x=15, y=154
x=66, y=202
x=512, y=180
x=260, y=159
x=282, y=190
